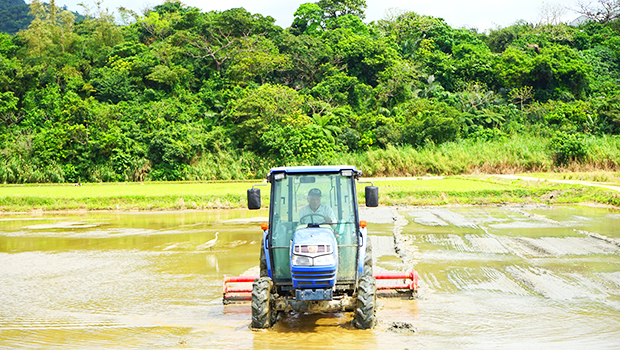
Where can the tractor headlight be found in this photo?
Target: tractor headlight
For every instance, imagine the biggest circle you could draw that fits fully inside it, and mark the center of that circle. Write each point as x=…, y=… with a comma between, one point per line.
x=300, y=260
x=325, y=260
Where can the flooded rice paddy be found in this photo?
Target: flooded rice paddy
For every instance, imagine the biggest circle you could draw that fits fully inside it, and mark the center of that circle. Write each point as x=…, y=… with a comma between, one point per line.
x=491, y=277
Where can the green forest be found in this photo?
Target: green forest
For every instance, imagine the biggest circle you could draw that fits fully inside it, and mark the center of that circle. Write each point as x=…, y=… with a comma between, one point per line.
x=181, y=94
x=14, y=16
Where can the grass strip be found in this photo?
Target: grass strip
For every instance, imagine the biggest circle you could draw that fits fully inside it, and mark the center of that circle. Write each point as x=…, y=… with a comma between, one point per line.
x=471, y=190
x=474, y=190
x=124, y=196
x=608, y=177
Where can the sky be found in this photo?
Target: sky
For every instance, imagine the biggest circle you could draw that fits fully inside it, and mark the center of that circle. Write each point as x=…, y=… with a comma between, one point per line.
x=480, y=14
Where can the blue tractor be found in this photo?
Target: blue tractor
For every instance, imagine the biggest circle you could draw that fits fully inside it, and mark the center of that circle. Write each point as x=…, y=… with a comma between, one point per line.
x=315, y=253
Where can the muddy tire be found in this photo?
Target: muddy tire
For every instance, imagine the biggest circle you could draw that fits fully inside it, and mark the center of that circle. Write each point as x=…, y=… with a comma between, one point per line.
x=364, y=316
x=262, y=316
x=367, y=271
x=263, y=260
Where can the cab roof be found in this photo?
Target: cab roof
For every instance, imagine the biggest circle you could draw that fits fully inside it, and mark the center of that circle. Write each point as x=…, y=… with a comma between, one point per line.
x=314, y=169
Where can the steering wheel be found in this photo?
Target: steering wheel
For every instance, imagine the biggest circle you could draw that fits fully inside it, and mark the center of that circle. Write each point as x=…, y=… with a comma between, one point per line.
x=312, y=214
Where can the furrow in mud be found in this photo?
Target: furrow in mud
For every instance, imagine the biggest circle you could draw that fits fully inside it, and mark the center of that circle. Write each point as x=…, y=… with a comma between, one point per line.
x=426, y=218
x=533, y=216
x=545, y=282
x=486, y=279
x=451, y=241
x=487, y=243
x=598, y=236
x=453, y=218
x=431, y=282
x=403, y=248
x=526, y=247
x=591, y=286
x=545, y=247
x=611, y=281
x=578, y=245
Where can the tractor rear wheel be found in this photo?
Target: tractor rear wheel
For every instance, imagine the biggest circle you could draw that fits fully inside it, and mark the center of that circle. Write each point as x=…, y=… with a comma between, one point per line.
x=262, y=315
x=366, y=304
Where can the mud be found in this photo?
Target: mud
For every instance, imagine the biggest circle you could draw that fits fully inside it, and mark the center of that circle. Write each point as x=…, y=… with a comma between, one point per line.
x=495, y=277
x=594, y=235
x=401, y=327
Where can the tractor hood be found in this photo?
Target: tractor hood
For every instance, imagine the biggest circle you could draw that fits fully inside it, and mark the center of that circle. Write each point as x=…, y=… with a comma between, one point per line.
x=314, y=262
x=313, y=236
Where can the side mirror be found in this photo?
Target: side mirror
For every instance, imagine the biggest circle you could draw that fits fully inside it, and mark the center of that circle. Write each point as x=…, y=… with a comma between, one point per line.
x=254, y=198
x=372, y=196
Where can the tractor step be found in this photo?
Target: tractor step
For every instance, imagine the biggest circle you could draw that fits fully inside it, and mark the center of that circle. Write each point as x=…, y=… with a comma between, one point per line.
x=241, y=291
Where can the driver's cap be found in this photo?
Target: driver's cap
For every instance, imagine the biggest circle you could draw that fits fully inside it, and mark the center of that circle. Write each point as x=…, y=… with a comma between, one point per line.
x=314, y=192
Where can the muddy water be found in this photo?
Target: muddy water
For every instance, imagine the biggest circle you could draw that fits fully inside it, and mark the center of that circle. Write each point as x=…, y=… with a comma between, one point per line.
x=507, y=277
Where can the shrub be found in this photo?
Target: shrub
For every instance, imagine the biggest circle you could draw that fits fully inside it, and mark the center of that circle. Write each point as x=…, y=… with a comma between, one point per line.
x=567, y=148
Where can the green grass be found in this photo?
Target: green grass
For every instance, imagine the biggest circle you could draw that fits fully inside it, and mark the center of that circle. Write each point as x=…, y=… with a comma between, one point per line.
x=515, y=154
x=124, y=196
x=476, y=190
x=518, y=154
x=480, y=190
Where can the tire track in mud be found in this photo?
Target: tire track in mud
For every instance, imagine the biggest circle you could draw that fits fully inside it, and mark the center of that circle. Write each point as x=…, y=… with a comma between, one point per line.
x=391, y=215
x=403, y=248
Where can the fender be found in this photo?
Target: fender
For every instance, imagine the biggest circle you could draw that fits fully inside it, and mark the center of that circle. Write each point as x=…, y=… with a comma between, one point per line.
x=266, y=249
x=363, y=232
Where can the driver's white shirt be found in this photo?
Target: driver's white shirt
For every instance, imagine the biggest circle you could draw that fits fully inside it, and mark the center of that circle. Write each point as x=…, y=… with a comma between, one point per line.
x=323, y=210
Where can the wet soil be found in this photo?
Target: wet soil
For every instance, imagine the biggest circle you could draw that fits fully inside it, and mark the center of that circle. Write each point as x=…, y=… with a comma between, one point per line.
x=491, y=277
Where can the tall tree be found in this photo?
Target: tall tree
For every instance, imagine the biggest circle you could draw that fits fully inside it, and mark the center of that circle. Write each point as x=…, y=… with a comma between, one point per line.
x=336, y=8
x=551, y=13
x=51, y=31
x=218, y=36
x=603, y=12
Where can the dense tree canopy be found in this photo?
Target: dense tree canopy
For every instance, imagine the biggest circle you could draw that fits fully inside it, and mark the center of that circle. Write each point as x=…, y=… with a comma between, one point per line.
x=162, y=96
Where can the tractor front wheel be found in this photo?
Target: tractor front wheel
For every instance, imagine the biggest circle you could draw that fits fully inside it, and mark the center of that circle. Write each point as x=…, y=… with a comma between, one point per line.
x=366, y=304
x=261, y=303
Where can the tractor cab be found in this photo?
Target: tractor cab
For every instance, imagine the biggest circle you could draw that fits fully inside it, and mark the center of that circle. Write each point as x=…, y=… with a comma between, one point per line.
x=315, y=232
x=314, y=249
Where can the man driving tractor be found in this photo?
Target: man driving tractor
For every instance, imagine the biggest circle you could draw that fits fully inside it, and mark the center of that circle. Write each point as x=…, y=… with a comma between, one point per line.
x=313, y=212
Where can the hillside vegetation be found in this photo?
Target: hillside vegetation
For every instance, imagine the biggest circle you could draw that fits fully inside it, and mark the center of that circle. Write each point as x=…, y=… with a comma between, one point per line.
x=180, y=94
x=14, y=16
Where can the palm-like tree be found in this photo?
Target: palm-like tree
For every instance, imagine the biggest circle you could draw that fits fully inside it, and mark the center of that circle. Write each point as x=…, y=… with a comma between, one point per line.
x=322, y=121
